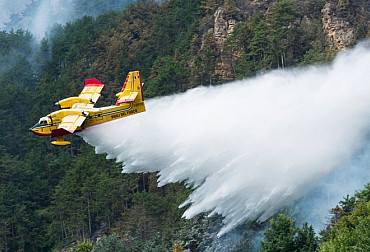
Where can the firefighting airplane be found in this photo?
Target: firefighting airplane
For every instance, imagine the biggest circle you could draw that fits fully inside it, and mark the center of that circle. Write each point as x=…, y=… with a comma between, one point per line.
x=77, y=113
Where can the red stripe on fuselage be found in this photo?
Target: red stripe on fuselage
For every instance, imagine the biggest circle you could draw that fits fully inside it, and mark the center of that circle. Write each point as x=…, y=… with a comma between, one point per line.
x=41, y=134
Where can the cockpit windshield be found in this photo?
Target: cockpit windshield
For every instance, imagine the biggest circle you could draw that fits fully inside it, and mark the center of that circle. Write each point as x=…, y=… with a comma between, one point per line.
x=45, y=121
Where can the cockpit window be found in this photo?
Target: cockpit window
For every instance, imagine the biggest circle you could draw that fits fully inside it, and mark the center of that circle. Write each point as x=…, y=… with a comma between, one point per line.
x=44, y=121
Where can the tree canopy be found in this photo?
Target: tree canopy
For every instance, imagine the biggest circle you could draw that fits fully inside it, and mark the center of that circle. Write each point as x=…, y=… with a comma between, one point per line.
x=53, y=197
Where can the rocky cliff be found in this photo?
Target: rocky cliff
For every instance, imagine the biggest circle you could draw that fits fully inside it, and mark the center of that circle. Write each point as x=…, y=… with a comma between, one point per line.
x=343, y=22
x=223, y=27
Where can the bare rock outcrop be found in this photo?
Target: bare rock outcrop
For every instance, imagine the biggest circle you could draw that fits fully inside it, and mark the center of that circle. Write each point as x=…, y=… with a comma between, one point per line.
x=341, y=21
x=223, y=27
x=339, y=31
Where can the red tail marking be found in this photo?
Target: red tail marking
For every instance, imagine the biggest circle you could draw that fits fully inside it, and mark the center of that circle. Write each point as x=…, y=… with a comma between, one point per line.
x=124, y=84
x=141, y=87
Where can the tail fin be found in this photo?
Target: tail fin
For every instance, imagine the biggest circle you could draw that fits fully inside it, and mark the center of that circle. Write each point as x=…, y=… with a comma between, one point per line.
x=132, y=90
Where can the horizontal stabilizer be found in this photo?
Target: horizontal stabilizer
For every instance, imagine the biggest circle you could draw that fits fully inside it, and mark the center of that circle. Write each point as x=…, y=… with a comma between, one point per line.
x=128, y=98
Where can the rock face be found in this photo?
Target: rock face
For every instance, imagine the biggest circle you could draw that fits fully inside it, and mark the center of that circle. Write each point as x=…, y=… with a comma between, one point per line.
x=253, y=7
x=341, y=20
x=342, y=23
x=223, y=27
x=339, y=31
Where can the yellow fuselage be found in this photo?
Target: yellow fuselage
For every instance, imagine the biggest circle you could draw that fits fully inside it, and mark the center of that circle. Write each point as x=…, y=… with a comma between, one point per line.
x=77, y=113
x=95, y=116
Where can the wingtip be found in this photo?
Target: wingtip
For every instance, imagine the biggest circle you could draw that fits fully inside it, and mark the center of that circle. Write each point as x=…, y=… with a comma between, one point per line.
x=93, y=82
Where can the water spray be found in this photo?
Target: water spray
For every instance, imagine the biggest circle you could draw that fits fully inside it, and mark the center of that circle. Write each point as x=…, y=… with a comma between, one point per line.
x=250, y=147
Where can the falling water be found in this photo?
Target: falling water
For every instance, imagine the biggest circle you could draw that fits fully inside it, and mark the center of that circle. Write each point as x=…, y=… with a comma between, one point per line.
x=253, y=146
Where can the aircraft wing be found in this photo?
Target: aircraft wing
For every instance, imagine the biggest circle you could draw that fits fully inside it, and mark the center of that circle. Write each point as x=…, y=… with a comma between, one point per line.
x=91, y=92
x=68, y=125
x=87, y=98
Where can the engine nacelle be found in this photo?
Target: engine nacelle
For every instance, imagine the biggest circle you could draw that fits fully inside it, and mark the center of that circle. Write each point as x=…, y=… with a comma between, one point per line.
x=66, y=112
x=68, y=102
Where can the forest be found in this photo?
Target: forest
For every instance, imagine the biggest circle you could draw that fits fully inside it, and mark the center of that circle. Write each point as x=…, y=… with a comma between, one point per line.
x=53, y=198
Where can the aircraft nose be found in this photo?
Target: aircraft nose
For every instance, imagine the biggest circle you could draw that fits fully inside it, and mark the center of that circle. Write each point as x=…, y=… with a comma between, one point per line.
x=32, y=129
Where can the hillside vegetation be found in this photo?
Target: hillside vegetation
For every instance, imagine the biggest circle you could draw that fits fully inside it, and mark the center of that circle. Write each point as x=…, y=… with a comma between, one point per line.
x=53, y=197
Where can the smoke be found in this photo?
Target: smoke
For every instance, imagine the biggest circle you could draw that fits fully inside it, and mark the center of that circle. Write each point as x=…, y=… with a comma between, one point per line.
x=344, y=180
x=39, y=16
x=49, y=13
x=11, y=7
x=254, y=146
x=36, y=16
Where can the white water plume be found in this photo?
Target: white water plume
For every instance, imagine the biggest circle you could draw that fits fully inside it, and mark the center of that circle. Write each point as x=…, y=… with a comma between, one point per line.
x=253, y=146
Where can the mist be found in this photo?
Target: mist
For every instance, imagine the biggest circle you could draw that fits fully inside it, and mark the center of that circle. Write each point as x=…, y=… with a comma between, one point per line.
x=252, y=147
x=35, y=16
x=39, y=16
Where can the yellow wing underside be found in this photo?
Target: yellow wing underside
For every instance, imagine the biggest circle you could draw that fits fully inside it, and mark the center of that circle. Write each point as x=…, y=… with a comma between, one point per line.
x=87, y=98
x=90, y=93
x=71, y=122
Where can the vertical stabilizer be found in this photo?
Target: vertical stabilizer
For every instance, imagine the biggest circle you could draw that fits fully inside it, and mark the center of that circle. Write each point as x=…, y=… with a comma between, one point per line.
x=132, y=90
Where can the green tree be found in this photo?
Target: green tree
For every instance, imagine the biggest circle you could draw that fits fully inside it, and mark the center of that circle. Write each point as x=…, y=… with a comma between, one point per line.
x=109, y=243
x=349, y=228
x=352, y=232
x=360, y=32
x=283, y=31
x=305, y=239
x=284, y=236
x=280, y=235
x=85, y=197
x=205, y=61
x=259, y=48
x=168, y=76
x=84, y=246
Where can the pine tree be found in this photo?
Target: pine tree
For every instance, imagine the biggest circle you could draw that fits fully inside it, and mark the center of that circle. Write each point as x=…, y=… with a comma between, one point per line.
x=280, y=235
x=284, y=236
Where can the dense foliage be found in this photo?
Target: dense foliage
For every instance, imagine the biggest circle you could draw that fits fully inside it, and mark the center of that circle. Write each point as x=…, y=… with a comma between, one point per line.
x=349, y=228
x=275, y=40
x=284, y=236
x=52, y=197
